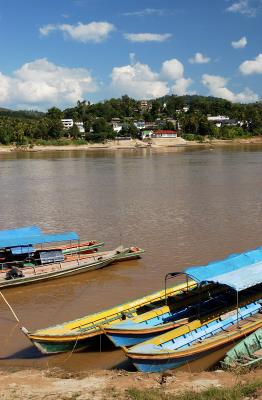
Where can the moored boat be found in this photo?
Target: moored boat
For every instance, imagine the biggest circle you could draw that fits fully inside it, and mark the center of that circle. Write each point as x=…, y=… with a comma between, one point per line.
x=82, y=247
x=197, y=303
x=23, y=244
x=80, y=332
x=177, y=348
x=245, y=354
x=31, y=272
x=177, y=312
x=173, y=349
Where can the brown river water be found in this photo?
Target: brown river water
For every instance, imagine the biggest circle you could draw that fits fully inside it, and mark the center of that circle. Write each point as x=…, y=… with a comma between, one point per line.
x=183, y=206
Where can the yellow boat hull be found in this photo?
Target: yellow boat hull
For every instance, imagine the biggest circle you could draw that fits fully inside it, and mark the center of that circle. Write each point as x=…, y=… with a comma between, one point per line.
x=78, y=333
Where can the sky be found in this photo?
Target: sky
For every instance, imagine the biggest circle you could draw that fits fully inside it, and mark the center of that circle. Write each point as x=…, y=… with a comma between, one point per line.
x=56, y=52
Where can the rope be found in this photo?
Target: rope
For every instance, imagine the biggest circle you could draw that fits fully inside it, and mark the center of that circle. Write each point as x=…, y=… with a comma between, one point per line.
x=10, y=307
x=71, y=352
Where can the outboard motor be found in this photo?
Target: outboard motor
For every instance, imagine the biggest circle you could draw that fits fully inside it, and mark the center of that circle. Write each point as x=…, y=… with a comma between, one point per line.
x=14, y=273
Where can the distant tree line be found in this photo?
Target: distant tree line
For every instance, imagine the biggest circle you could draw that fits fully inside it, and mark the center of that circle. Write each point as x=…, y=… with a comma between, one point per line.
x=24, y=127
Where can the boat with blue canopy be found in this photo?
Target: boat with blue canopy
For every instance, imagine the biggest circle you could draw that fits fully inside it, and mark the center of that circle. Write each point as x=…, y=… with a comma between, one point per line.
x=212, y=293
x=25, y=264
x=19, y=243
x=240, y=272
x=196, y=304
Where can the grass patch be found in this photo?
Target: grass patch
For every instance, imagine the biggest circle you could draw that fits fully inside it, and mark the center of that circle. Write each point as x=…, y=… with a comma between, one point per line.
x=237, y=392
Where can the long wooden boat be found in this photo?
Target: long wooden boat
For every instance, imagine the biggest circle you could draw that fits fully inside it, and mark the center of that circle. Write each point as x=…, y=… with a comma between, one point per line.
x=78, y=334
x=201, y=303
x=33, y=274
x=246, y=354
x=124, y=254
x=183, y=345
x=17, y=244
x=186, y=307
x=83, y=247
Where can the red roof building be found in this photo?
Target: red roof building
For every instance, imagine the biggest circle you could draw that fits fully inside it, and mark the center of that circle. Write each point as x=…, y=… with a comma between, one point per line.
x=165, y=133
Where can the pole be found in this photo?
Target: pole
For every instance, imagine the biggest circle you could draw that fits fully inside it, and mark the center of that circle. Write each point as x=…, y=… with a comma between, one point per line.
x=237, y=311
x=165, y=289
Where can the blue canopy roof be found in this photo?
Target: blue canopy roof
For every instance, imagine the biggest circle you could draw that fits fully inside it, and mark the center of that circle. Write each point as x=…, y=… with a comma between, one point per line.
x=238, y=271
x=19, y=232
x=32, y=235
x=241, y=279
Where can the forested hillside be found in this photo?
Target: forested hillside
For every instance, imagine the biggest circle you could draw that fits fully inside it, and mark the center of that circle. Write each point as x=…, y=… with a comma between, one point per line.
x=24, y=127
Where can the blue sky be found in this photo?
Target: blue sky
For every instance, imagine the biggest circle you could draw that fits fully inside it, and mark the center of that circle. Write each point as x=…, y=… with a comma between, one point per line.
x=56, y=52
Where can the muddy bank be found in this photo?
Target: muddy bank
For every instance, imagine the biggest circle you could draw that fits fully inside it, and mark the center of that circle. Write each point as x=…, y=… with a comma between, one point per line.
x=132, y=144
x=58, y=384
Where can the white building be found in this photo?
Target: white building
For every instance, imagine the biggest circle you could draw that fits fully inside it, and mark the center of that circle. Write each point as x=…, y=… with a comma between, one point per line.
x=80, y=126
x=67, y=123
x=220, y=120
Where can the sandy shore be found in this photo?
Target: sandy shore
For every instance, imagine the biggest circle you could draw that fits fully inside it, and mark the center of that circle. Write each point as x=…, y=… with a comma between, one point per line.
x=133, y=144
x=57, y=384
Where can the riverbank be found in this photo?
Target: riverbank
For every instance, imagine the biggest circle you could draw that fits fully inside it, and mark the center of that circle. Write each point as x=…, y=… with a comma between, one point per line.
x=132, y=144
x=57, y=384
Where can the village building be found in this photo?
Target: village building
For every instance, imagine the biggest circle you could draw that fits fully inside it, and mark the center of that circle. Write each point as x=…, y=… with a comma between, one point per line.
x=116, y=125
x=68, y=123
x=164, y=133
x=145, y=105
x=156, y=134
x=222, y=120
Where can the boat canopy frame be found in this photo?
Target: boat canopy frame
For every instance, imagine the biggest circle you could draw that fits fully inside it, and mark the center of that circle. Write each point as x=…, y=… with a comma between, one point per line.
x=237, y=279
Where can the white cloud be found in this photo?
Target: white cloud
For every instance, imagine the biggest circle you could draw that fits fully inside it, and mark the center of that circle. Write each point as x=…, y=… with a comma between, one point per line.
x=46, y=29
x=147, y=37
x=199, y=58
x=5, y=88
x=139, y=81
x=239, y=44
x=172, y=69
x=252, y=66
x=42, y=83
x=92, y=32
x=181, y=85
x=145, y=12
x=245, y=7
x=217, y=87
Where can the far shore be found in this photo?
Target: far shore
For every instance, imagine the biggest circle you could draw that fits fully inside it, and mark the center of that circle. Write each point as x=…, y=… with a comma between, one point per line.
x=132, y=144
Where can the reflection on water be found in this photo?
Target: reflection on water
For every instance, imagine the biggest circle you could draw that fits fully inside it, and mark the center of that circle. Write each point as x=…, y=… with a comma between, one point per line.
x=184, y=206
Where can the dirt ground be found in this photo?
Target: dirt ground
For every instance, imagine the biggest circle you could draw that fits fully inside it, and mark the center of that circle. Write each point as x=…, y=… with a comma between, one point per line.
x=56, y=384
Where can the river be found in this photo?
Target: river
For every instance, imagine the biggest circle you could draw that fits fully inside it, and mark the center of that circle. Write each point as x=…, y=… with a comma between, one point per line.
x=184, y=206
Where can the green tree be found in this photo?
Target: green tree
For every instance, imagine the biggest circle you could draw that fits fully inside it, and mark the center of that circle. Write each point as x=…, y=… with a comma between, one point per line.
x=54, y=113
x=55, y=130
x=74, y=132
